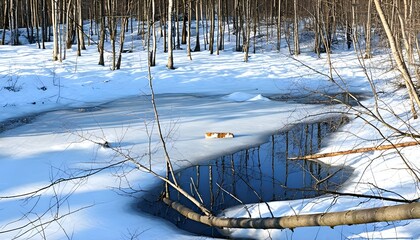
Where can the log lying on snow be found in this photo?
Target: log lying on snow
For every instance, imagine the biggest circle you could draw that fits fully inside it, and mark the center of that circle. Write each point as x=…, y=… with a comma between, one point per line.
x=351, y=217
x=357, y=150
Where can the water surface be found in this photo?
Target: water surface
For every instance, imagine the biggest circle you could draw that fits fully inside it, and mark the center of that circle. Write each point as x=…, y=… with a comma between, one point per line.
x=258, y=174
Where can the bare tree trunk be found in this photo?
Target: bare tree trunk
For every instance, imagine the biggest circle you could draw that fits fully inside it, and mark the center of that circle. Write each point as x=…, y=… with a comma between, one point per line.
x=255, y=21
x=60, y=29
x=76, y=26
x=237, y=25
x=153, y=55
x=170, y=64
x=279, y=25
x=13, y=24
x=184, y=21
x=296, y=29
x=36, y=20
x=80, y=33
x=70, y=25
x=212, y=22
x=368, y=51
x=219, y=27
x=68, y=33
x=204, y=22
x=54, y=17
x=124, y=25
x=44, y=23
x=197, y=26
x=318, y=32
x=354, y=22
x=112, y=25
x=164, y=22
x=402, y=67
x=26, y=8
x=5, y=12
x=101, y=47
x=247, y=12
x=189, y=30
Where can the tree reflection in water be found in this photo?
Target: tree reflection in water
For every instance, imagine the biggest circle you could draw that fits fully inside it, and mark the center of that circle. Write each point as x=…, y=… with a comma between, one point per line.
x=254, y=175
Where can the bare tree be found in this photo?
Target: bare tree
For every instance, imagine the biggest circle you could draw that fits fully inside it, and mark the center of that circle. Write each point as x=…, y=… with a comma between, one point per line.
x=189, y=30
x=13, y=23
x=5, y=21
x=197, y=26
x=296, y=50
x=55, y=23
x=368, y=30
x=79, y=28
x=154, y=48
x=101, y=47
x=248, y=21
x=124, y=24
x=402, y=67
x=279, y=25
x=170, y=64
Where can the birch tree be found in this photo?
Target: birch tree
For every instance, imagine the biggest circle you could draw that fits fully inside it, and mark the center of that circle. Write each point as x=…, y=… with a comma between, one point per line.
x=170, y=64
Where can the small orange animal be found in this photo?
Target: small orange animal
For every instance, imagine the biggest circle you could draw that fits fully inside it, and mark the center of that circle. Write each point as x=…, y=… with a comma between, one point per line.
x=219, y=135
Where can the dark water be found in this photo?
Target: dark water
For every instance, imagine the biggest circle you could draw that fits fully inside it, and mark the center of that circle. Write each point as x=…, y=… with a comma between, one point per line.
x=254, y=175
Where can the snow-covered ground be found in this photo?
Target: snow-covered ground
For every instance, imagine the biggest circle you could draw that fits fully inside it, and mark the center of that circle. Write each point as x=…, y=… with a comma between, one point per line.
x=209, y=93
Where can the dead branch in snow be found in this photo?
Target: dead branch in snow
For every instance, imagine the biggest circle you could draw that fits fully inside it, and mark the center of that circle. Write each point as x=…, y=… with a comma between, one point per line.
x=357, y=150
x=332, y=219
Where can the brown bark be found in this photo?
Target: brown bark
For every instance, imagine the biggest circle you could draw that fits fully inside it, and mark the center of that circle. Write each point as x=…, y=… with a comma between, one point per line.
x=351, y=217
x=296, y=29
x=54, y=18
x=102, y=33
x=197, y=26
x=357, y=150
x=212, y=22
x=5, y=12
x=368, y=51
x=402, y=67
x=279, y=25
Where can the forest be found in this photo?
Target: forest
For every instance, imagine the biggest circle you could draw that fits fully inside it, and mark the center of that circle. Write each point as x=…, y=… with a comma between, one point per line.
x=357, y=21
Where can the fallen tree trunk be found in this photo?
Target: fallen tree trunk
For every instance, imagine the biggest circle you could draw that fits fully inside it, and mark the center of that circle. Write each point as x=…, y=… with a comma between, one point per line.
x=357, y=150
x=351, y=217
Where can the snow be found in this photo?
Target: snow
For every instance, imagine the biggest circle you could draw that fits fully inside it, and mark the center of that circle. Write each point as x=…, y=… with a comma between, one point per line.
x=84, y=104
x=243, y=97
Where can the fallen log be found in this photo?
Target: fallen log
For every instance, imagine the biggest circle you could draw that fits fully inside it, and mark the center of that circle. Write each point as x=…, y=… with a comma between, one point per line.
x=357, y=150
x=350, y=217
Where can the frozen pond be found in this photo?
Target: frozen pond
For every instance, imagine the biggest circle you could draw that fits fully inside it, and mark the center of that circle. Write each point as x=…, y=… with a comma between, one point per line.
x=62, y=143
x=258, y=174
